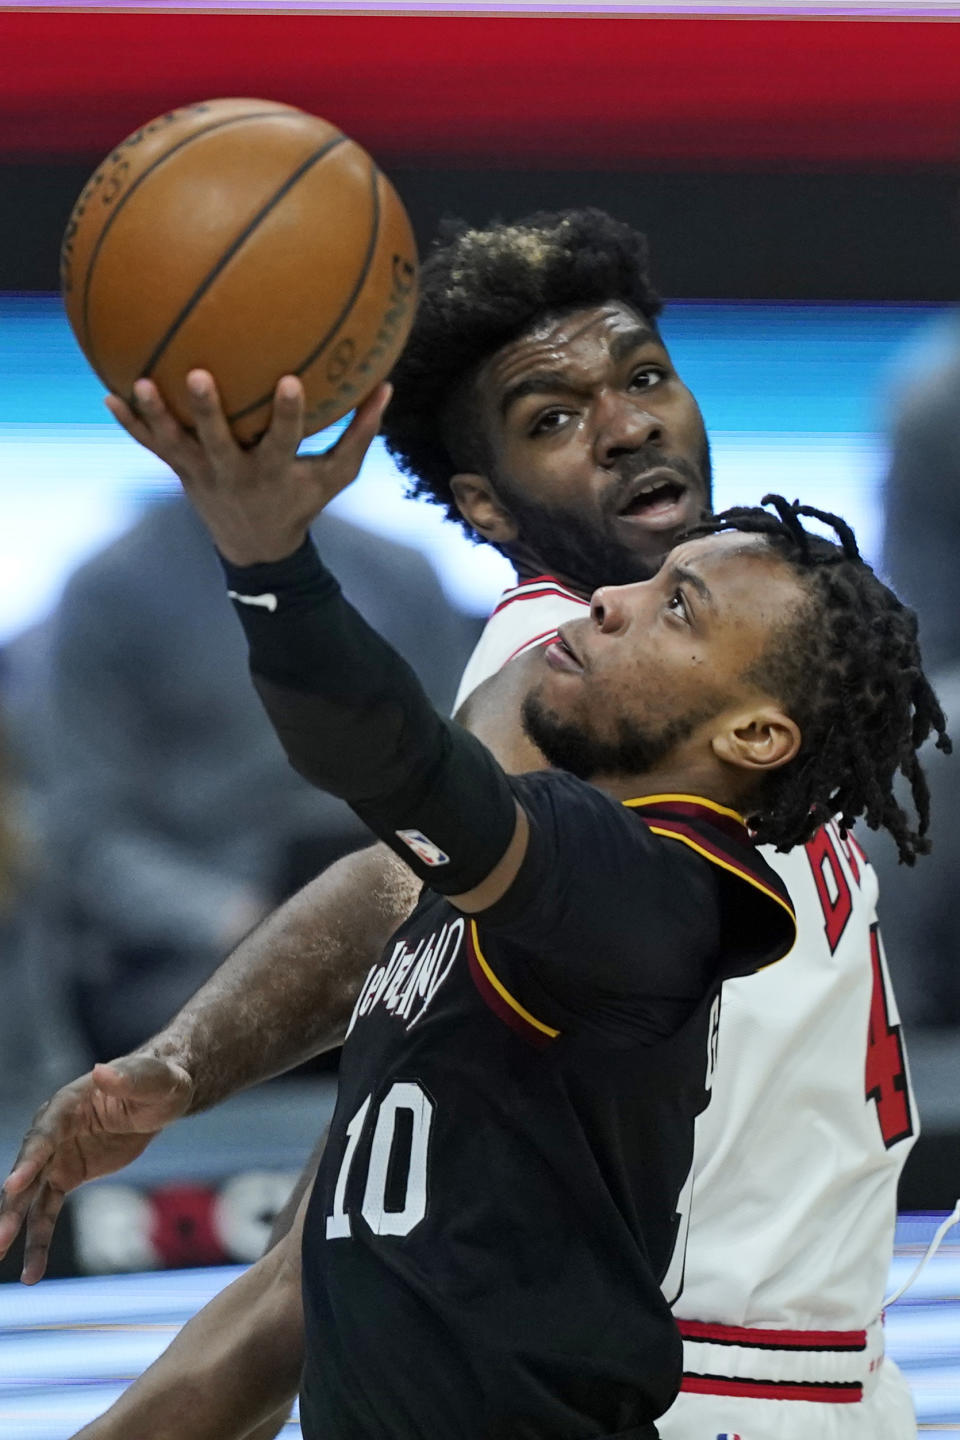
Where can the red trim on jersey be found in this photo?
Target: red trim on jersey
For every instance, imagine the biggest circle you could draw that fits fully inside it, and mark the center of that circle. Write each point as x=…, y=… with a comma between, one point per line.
x=534, y=580
x=662, y=826
x=824, y=1392
x=532, y=644
x=509, y=1013
x=536, y=590
x=731, y=826
x=773, y=1339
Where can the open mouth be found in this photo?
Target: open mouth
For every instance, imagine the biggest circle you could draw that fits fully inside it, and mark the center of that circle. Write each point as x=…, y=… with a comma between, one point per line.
x=656, y=494
x=561, y=656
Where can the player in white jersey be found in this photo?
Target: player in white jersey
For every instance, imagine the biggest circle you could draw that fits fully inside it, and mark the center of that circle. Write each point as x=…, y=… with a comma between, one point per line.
x=539, y=377
x=798, y=1155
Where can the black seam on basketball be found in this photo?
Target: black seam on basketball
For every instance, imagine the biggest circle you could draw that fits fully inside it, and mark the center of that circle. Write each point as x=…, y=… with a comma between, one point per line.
x=348, y=306
x=236, y=245
x=180, y=145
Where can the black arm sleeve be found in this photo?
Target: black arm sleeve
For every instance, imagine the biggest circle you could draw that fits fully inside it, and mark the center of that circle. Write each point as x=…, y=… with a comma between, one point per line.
x=354, y=721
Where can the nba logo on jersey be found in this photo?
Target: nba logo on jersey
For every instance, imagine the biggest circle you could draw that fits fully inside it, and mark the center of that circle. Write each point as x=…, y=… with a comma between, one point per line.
x=423, y=846
x=727, y=1436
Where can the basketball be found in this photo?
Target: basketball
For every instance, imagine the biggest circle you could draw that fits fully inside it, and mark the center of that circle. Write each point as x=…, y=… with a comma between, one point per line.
x=250, y=239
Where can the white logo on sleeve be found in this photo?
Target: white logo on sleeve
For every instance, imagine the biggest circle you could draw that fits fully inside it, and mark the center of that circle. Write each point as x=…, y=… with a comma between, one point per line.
x=266, y=602
x=423, y=847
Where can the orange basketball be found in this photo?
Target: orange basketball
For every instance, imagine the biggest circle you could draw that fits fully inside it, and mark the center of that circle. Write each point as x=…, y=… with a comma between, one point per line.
x=248, y=238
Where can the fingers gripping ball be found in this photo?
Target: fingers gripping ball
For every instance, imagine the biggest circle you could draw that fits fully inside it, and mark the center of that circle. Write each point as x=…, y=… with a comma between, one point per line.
x=250, y=239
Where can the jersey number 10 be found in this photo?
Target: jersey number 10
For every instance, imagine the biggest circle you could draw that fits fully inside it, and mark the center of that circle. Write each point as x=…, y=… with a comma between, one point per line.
x=403, y=1098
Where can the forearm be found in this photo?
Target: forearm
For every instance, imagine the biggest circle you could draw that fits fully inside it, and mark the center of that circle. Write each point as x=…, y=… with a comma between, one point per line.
x=355, y=721
x=231, y=1368
x=287, y=991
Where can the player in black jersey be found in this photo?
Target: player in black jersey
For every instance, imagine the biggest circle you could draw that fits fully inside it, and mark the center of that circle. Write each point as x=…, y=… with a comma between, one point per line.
x=613, y=520
x=497, y=1227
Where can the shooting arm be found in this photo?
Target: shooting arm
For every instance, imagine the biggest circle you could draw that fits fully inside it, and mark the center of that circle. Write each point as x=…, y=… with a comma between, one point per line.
x=287, y=991
x=355, y=722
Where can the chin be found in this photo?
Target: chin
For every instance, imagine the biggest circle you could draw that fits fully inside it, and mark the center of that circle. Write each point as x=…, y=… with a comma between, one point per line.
x=563, y=744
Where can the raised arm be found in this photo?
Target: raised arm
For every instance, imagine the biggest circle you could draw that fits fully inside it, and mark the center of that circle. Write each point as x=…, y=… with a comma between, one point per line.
x=350, y=713
x=285, y=993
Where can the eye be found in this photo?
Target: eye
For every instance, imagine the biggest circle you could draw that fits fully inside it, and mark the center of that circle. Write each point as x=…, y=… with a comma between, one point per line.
x=549, y=421
x=647, y=376
x=677, y=605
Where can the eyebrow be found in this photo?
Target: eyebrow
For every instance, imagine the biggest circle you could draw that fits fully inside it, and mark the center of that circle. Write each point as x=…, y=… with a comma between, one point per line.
x=625, y=343
x=541, y=382
x=691, y=578
x=550, y=382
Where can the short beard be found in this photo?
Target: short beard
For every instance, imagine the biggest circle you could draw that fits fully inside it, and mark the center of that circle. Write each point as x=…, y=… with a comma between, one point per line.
x=581, y=547
x=633, y=751
x=583, y=554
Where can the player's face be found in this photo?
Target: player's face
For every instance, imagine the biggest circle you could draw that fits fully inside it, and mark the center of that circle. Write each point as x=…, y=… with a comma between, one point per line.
x=598, y=451
x=662, y=668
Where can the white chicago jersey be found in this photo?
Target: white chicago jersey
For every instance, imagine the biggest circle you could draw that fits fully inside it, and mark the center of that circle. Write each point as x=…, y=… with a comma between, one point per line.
x=812, y=1116
x=526, y=617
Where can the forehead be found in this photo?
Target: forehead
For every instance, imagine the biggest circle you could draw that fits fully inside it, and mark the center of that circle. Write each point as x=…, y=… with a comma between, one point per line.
x=744, y=574
x=565, y=342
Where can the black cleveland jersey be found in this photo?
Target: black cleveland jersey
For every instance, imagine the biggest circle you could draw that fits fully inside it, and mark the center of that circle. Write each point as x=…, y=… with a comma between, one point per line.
x=498, y=1226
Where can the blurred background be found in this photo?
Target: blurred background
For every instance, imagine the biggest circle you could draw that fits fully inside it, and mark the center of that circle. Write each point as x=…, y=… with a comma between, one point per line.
x=797, y=169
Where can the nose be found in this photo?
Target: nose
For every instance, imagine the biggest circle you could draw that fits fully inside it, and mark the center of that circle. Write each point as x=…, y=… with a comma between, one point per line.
x=608, y=609
x=625, y=425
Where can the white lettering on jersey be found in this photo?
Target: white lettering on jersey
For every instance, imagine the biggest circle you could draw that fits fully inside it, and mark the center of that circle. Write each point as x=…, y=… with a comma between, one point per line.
x=672, y=1283
x=408, y=982
x=402, y=1095
x=713, y=1042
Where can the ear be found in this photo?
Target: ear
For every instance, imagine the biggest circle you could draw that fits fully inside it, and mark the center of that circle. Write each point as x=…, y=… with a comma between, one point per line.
x=758, y=740
x=482, y=510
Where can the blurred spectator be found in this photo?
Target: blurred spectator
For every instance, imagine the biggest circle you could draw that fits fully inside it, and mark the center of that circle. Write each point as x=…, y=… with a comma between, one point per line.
x=170, y=819
x=19, y=1039
x=921, y=543
x=918, y=906
x=922, y=497
x=11, y=862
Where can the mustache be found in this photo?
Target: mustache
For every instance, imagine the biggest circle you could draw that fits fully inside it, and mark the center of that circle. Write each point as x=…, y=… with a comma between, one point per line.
x=629, y=466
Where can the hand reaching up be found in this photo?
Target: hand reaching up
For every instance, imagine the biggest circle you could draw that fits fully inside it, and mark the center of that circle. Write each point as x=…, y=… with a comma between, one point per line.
x=258, y=502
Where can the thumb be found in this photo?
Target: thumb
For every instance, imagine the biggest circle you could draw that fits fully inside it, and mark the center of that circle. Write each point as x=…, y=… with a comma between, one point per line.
x=142, y=1078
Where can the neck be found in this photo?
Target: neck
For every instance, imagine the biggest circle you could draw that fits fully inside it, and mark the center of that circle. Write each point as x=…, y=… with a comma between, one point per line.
x=529, y=566
x=699, y=781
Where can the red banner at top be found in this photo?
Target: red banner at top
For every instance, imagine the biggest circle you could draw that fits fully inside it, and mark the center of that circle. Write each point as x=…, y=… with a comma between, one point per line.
x=553, y=92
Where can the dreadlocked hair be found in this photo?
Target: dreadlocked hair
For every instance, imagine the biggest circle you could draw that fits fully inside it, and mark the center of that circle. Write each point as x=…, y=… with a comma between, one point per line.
x=849, y=671
x=480, y=289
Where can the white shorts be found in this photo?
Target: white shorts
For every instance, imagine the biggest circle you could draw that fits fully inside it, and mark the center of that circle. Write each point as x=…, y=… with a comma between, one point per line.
x=886, y=1413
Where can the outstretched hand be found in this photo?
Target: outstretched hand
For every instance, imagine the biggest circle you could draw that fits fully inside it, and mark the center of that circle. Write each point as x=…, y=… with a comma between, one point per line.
x=90, y=1128
x=257, y=503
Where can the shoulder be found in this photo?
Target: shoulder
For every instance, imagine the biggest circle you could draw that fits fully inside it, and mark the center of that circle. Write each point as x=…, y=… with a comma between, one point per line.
x=591, y=843
x=758, y=922
x=540, y=591
x=529, y=613
x=525, y=617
